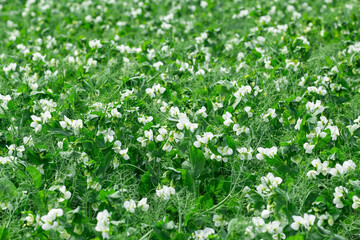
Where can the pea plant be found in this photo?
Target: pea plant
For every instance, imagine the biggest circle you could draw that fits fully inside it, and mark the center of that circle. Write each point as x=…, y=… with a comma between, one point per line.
x=180, y=119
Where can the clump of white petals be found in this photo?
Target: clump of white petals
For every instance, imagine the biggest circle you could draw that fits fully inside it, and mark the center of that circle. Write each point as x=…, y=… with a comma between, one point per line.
x=204, y=139
x=268, y=183
x=227, y=119
x=315, y=108
x=307, y=221
x=123, y=152
x=156, y=89
x=74, y=125
x=48, y=221
x=242, y=92
x=165, y=192
x=268, y=152
x=339, y=194
x=269, y=114
x=103, y=223
x=245, y=153
x=130, y=205
x=219, y=221
x=203, y=234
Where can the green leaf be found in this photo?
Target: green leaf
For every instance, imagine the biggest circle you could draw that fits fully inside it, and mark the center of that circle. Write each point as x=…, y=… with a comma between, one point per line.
x=4, y=234
x=151, y=146
x=35, y=175
x=355, y=184
x=205, y=201
x=7, y=189
x=148, y=181
x=117, y=194
x=197, y=160
x=230, y=142
x=296, y=237
x=105, y=193
x=187, y=179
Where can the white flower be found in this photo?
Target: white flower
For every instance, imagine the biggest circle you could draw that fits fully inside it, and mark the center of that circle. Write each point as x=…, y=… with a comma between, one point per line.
x=28, y=141
x=145, y=119
x=338, y=170
x=184, y=122
x=36, y=124
x=4, y=102
x=267, y=62
x=115, y=113
x=219, y=221
x=117, y=146
x=207, y=136
x=269, y=152
x=338, y=195
x=268, y=183
x=46, y=116
x=315, y=108
x=341, y=170
x=95, y=44
x=203, y=234
x=353, y=128
x=165, y=192
x=308, y=147
x=240, y=130
x=225, y=151
x=275, y=229
x=162, y=133
x=11, y=66
x=156, y=89
x=358, y=119
x=270, y=113
x=265, y=19
x=245, y=153
x=109, y=136
x=103, y=223
x=203, y=4
x=312, y=174
x=143, y=204
x=37, y=56
x=249, y=232
x=349, y=165
x=149, y=135
x=297, y=126
x=258, y=221
x=248, y=111
x=48, y=221
x=265, y=213
x=316, y=162
x=356, y=202
x=151, y=54
x=202, y=112
x=307, y=221
x=157, y=65
x=66, y=194
x=167, y=147
x=242, y=92
x=29, y=219
x=322, y=168
x=334, y=132
x=197, y=143
x=123, y=153
x=76, y=125
x=227, y=117
x=130, y=206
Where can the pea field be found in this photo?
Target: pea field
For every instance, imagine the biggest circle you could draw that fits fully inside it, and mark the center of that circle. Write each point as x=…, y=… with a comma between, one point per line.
x=180, y=119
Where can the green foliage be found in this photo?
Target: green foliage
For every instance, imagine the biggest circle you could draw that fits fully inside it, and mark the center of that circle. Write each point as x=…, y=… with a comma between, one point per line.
x=196, y=119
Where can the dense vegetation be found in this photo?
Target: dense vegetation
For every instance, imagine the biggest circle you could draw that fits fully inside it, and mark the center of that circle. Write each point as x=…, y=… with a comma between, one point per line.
x=179, y=119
